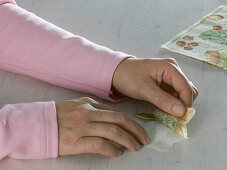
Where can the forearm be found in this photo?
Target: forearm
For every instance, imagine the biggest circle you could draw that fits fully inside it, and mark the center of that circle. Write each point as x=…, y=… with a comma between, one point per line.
x=32, y=46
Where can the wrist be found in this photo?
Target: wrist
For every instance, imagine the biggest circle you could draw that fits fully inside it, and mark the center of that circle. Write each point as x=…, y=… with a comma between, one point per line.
x=119, y=75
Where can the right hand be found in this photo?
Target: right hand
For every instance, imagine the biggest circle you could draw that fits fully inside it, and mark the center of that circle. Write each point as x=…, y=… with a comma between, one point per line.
x=87, y=126
x=156, y=80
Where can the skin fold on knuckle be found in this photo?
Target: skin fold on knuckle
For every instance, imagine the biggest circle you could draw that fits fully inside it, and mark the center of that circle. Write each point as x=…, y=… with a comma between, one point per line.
x=130, y=142
x=98, y=145
x=120, y=118
x=169, y=71
x=114, y=131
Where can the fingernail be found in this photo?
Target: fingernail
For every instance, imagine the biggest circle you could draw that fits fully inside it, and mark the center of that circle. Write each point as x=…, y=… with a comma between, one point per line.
x=177, y=109
x=138, y=146
x=148, y=140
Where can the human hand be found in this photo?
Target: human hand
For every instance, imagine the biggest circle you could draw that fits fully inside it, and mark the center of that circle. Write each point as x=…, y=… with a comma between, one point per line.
x=159, y=81
x=87, y=126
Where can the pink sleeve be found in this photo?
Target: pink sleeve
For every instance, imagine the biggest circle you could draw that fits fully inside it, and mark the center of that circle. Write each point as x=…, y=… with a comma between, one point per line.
x=32, y=46
x=29, y=131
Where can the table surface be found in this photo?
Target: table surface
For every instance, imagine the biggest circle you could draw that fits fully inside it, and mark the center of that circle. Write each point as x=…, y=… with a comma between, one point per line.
x=136, y=27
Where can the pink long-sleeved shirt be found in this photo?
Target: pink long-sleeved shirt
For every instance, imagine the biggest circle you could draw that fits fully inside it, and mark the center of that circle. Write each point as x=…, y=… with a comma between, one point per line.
x=34, y=47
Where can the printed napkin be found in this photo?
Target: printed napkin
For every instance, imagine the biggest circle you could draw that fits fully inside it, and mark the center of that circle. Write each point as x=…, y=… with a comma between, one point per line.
x=205, y=40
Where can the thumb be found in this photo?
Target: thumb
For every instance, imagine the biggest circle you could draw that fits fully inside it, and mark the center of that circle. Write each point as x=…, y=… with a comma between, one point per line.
x=165, y=101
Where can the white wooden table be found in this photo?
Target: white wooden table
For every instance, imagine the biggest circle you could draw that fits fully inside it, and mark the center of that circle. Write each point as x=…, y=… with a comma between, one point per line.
x=136, y=27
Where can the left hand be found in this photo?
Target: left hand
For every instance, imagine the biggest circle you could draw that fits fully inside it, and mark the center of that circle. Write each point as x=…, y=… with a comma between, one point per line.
x=87, y=126
x=159, y=81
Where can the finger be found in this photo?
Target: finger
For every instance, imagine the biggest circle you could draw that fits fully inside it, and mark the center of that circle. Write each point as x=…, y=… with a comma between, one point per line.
x=194, y=94
x=112, y=132
x=123, y=121
x=162, y=99
x=97, y=104
x=96, y=145
x=196, y=90
x=171, y=60
x=178, y=80
x=168, y=88
x=88, y=100
x=175, y=94
x=104, y=107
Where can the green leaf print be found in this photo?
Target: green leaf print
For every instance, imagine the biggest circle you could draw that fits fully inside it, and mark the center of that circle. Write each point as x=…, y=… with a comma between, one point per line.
x=223, y=54
x=215, y=36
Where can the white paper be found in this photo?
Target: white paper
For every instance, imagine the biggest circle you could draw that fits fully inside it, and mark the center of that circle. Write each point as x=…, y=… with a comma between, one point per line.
x=162, y=137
